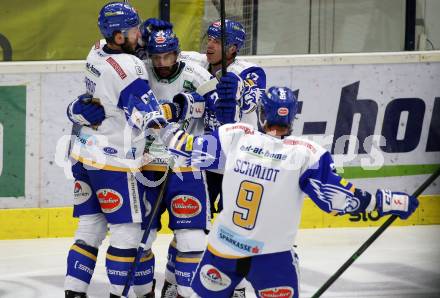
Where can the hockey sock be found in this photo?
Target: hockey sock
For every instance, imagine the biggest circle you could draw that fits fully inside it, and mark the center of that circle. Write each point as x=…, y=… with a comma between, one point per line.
x=169, y=270
x=186, y=266
x=117, y=263
x=81, y=262
x=143, y=278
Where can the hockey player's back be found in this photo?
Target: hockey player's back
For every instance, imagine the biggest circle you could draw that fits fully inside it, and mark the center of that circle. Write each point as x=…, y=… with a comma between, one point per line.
x=254, y=205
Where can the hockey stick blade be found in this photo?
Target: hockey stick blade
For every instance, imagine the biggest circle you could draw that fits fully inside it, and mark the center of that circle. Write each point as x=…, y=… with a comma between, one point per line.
x=372, y=238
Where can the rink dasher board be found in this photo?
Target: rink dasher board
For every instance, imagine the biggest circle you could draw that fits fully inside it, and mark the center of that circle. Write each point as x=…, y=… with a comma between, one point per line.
x=326, y=85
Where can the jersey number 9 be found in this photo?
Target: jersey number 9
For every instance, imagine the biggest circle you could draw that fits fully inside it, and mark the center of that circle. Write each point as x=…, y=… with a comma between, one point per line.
x=249, y=198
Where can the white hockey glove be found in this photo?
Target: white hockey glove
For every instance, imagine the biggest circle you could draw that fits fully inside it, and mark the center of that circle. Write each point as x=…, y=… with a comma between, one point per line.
x=191, y=105
x=396, y=203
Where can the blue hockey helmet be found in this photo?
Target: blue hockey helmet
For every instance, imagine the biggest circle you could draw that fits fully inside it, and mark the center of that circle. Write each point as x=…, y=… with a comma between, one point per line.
x=278, y=106
x=234, y=32
x=162, y=41
x=117, y=16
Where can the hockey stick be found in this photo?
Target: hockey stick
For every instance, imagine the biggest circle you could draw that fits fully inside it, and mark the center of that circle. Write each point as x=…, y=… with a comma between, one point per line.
x=223, y=35
x=372, y=238
x=141, y=247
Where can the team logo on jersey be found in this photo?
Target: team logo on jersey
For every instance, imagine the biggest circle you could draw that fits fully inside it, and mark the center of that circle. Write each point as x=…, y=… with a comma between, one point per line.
x=239, y=243
x=185, y=206
x=109, y=199
x=282, y=292
x=283, y=112
x=81, y=192
x=335, y=198
x=213, y=279
x=116, y=67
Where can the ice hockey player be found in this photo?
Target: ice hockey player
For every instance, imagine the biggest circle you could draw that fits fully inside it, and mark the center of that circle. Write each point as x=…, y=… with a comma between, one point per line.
x=244, y=81
x=238, y=92
x=186, y=197
x=106, y=159
x=267, y=174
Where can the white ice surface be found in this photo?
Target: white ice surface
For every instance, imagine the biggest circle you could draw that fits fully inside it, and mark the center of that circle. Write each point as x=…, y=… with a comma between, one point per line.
x=403, y=262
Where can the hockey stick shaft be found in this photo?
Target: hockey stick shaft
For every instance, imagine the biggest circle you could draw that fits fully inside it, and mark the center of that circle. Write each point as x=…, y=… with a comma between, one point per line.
x=223, y=35
x=141, y=247
x=372, y=238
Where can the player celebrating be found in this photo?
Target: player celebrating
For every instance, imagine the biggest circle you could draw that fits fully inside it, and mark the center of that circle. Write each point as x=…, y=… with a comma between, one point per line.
x=107, y=158
x=238, y=93
x=267, y=174
x=243, y=83
x=186, y=197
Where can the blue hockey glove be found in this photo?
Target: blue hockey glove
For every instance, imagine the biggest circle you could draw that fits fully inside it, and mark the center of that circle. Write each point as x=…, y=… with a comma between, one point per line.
x=144, y=114
x=191, y=105
x=397, y=203
x=86, y=110
x=226, y=111
x=230, y=86
x=153, y=24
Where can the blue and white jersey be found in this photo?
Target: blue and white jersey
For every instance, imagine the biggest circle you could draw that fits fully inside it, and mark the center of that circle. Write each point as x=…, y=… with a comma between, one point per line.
x=264, y=184
x=118, y=80
x=188, y=77
x=254, y=79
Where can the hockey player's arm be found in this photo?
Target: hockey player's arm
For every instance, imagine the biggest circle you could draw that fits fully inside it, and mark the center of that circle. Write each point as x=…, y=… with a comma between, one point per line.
x=334, y=194
x=254, y=84
x=203, y=152
x=192, y=105
x=140, y=105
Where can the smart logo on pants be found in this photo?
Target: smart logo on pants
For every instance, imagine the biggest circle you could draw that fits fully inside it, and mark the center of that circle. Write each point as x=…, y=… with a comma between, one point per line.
x=213, y=279
x=185, y=206
x=109, y=199
x=282, y=292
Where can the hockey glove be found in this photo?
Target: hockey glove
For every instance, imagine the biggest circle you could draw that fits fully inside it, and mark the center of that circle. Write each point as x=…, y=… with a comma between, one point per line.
x=86, y=111
x=226, y=111
x=144, y=115
x=170, y=111
x=191, y=105
x=230, y=87
x=396, y=203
